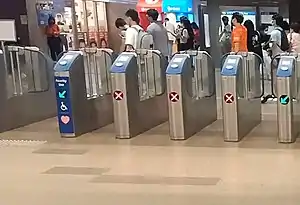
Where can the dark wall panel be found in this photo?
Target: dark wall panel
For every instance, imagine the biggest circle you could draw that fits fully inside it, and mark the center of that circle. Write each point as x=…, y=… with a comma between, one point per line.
x=12, y=9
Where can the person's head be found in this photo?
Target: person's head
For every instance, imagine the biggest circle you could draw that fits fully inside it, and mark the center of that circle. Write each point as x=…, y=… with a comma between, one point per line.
x=103, y=43
x=277, y=20
x=120, y=24
x=250, y=26
x=295, y=27
x=237, y=18
x=194, y=26
x=132, y=17
x=152, y=15
x=51, y=20
x=225, y=20
x=93, y=43
x=285, y=26
x=167, y=19
x=81, y=43
x=186, y=23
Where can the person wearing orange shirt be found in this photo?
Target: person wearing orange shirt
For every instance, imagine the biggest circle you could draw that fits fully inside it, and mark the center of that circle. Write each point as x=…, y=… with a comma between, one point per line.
x=53, y=38
x=239, y=34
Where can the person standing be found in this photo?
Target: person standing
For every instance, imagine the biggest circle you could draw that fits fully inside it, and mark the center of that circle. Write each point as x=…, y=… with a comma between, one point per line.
x=253, y=39
x=186, y=36
x=53, y=39
x=294, y=37
x=239, y=34
x=225, y=36
x=122, y=27
x=159, y=32
x=132, y=32
x=171, y=35
x=196, y=31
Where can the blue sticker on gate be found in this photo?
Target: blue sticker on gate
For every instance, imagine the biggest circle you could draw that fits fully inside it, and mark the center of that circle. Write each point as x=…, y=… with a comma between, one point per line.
x=64, y=108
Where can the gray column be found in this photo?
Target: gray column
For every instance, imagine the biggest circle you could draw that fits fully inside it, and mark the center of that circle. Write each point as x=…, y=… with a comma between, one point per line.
x=214, y=20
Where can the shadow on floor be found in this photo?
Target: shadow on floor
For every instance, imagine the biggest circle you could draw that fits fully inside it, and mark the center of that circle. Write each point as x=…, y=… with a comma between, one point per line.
x=262, y=137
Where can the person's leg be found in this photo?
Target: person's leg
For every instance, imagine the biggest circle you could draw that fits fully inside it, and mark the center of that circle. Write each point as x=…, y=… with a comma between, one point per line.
x=51, y=48
x=170, y=48
x=57, y=47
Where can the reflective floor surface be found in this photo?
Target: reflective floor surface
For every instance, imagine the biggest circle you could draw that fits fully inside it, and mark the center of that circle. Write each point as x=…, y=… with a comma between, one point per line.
x=38, y=167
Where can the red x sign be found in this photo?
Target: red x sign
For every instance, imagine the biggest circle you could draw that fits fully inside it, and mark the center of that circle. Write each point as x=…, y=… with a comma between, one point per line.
x=174, y=97
x=228, y=98
x=118, y=95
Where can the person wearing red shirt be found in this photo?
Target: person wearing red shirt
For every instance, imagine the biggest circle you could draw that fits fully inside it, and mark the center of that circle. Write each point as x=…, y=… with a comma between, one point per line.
x=239, y=34
x=53, y=38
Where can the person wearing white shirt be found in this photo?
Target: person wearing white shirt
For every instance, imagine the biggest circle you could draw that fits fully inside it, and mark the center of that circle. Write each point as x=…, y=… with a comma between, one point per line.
x=131, y=35
x=171, y=35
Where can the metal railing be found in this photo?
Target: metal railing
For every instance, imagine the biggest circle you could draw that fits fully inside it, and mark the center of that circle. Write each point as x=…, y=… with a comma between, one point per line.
x=248, y=86
x=150, y=64
x=203, y=82
x=272, y=82
x=28, y=70
x=97, y=63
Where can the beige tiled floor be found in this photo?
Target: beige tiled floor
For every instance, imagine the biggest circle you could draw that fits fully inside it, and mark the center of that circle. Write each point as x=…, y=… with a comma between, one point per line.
x=149, y=169
x=37, y=167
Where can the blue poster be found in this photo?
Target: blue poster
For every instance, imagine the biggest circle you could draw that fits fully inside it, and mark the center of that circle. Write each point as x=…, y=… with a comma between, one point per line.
x=179, y=6
x=64, y=109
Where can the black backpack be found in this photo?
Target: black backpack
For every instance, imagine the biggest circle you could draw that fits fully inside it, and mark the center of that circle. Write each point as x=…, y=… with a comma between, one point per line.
x=285, y=46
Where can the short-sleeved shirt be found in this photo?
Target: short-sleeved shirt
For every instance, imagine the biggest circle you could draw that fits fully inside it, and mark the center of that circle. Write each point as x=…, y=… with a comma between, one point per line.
x=131, y=35
x=239, y=39
x=275, y=39
x=160, y=37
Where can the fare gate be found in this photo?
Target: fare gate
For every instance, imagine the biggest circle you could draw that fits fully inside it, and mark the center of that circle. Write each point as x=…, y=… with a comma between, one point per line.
x=83, y=91
x=192, y=93
x=27, y=87
x=287, y=90
x=138, y=84
x=241, y=90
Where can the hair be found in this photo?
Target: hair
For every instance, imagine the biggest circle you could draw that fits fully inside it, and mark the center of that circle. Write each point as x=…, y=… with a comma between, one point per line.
x=51, y=18
x=295, y=27
x=285, y=26
x=278, y=19
x=183, y=18
x=194, y=25
x=103, y=40
x=153, y=14
x=187, y=25
x=225, y=18
x=133, y=14
x=249, y=25
x=93, y=42
x=81, y=41
x=167, y=19
x=120, y=22
x=239, y=17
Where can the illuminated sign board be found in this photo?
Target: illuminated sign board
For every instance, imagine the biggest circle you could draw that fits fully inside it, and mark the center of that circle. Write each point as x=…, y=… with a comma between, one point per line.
x=179, y=6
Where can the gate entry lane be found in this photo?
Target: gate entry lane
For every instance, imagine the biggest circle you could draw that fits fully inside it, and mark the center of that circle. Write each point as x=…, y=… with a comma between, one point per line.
x=138, y=85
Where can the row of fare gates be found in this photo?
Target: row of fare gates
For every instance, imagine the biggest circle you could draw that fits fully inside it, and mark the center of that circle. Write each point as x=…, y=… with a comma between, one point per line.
x=140, y=90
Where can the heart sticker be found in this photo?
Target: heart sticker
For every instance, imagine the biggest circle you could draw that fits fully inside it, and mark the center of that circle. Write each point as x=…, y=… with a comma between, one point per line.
x=65, y=119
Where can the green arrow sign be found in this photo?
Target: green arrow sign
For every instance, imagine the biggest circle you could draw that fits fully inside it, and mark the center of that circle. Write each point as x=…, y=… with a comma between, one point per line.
x=284, y=99
x=62, y=94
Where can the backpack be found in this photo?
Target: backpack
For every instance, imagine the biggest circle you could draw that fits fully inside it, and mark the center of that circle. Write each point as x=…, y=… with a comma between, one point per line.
x=145, y=39
x=285, y=45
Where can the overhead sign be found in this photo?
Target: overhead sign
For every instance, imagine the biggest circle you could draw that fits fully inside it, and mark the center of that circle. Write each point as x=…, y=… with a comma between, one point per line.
x=64, y=110
x=229, y=98
x=284, y=99
x=174, y=97
x=179, y=6
x=144, y=5
x=118, y=95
